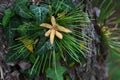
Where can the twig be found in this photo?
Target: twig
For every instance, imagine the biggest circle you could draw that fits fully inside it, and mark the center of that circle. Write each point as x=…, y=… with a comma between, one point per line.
x=1, y=73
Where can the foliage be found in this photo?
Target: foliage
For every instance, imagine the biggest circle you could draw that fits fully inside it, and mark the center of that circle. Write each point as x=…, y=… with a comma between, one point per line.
x=109, y=31
x=56, y=74
x=28, y=27
x=6, y=18
x=21, y=8
x=28, y=42
x=40, y=12
x=108, y=24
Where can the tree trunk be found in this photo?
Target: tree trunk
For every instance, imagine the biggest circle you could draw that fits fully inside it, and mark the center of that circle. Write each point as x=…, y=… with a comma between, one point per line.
x=94, y=67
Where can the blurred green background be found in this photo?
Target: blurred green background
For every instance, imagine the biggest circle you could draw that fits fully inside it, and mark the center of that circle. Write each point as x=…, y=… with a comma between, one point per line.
x=114, y=66
x=114, y=59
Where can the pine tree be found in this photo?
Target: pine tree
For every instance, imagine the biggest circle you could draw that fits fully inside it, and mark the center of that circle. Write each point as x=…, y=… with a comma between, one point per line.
x=57, y=40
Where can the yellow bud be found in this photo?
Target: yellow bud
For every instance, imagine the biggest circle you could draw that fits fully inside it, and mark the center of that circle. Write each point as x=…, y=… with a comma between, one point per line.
x=52, y=35
x=61, y=28
x=59, y=35
x=47, y=33
x=82, y=45
x=46, y=25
